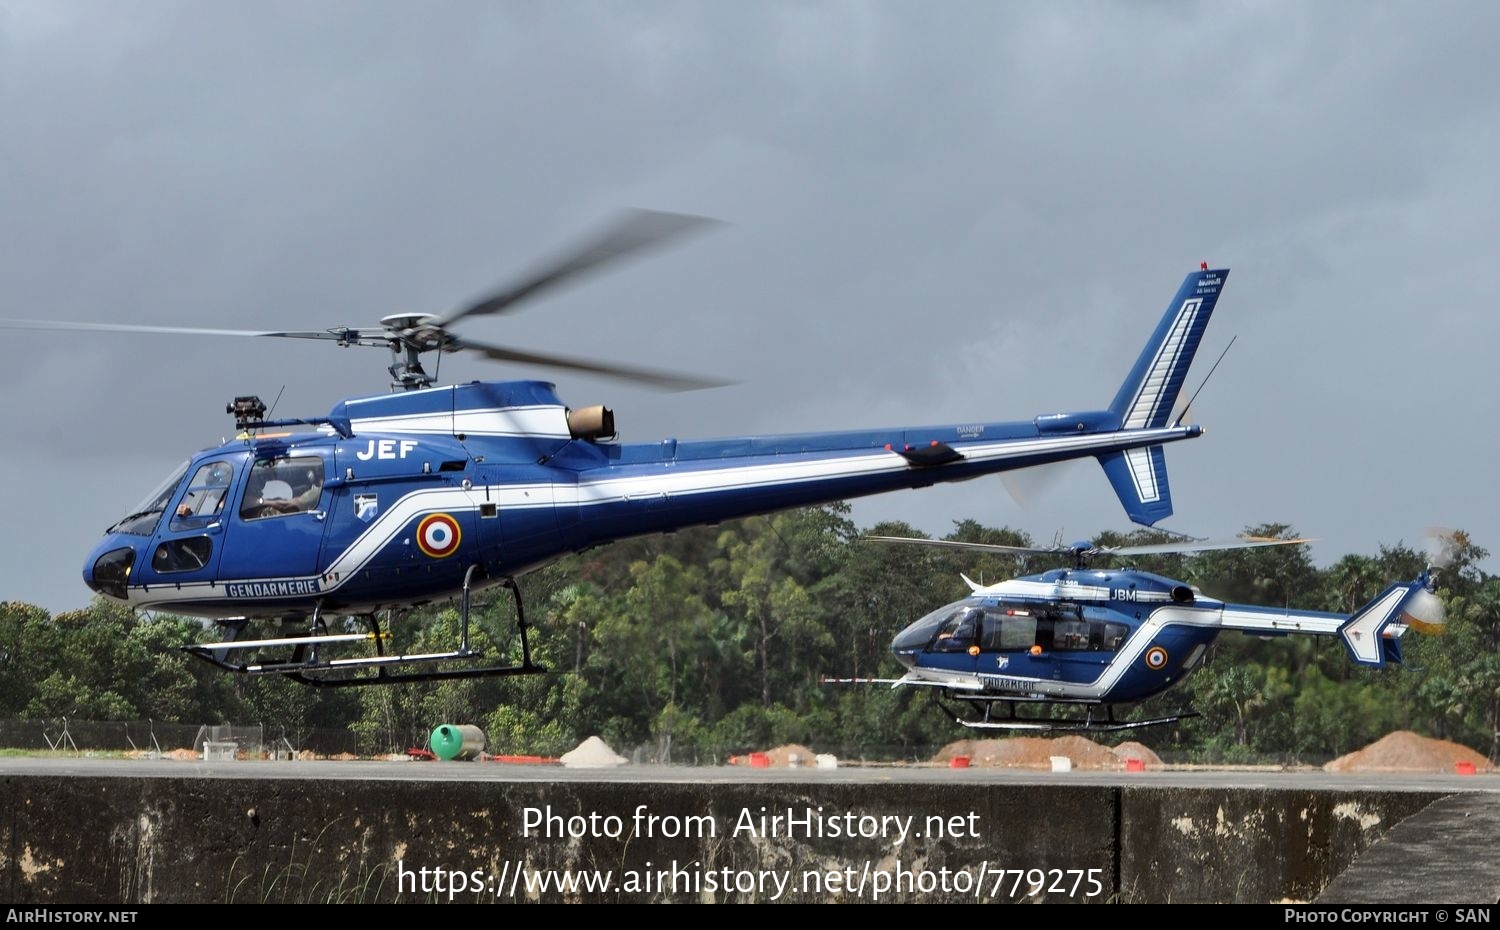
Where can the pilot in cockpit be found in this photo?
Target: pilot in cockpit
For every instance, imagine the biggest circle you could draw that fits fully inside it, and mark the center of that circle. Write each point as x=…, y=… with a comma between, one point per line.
x=210, y=488
x=959, y=632
x=270, y=491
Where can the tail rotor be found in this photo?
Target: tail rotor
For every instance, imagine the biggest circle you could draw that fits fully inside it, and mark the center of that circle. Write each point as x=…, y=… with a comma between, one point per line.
x=1424, y=610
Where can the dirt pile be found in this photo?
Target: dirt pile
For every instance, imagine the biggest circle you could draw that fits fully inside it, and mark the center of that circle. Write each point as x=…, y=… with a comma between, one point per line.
x=1132, y=750
x=791, y=756
x=1405, y=751
x=1037, y=752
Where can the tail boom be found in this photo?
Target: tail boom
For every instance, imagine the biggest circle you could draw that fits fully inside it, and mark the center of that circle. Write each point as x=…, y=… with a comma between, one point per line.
x=1371, y=635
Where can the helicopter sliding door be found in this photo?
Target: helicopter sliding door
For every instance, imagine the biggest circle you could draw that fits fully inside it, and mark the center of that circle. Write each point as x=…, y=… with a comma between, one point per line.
x=277, y=523
x=1048, y=642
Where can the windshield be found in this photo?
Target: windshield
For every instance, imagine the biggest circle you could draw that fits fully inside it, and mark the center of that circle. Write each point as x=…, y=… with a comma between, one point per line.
x=916, y=636
x=142, y=519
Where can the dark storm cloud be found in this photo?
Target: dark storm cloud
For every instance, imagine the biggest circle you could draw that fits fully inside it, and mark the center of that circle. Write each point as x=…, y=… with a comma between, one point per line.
x=939, y=213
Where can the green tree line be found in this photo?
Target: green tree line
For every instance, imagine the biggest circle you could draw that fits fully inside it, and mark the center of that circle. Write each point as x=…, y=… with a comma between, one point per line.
x=718, y=641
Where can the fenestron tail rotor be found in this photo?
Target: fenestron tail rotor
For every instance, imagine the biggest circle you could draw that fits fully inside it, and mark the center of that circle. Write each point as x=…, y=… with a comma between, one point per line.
x=1442, y=546
x=1425, y=610
x=408, y=336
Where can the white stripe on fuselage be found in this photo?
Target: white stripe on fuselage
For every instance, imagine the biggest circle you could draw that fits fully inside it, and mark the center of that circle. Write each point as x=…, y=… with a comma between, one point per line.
x=676, y=479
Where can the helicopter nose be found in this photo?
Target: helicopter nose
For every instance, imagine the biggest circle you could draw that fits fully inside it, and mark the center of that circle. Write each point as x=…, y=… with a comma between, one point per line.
x=912, y=640
x=110, y=573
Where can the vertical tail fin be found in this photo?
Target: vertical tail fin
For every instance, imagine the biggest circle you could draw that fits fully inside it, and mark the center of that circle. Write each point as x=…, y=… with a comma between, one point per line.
x=1146, y=398
x=1372, y=635
x=1149, y=393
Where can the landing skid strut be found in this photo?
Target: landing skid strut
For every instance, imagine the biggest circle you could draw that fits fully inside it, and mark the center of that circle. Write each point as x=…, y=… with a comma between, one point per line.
x=303, y=664
x=980, y=715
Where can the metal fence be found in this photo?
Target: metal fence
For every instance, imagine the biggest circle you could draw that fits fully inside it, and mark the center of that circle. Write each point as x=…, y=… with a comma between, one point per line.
x=149, y=737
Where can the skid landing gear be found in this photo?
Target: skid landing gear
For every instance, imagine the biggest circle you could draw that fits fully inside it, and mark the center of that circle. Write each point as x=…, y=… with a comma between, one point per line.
x=989, y=713
x=301, y=657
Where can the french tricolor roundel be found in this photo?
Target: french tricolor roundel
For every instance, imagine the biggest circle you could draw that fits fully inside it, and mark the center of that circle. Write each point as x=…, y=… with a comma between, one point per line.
x=438, y=535
x=1156, y=658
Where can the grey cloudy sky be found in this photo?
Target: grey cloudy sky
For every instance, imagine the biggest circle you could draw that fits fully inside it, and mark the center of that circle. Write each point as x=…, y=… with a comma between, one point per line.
x=937, y=213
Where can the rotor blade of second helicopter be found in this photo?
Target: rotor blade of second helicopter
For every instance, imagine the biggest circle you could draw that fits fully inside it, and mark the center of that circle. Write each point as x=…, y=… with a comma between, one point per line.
x=974, y=546
x=662, y=379
x=637, y=230
x=1202, y=545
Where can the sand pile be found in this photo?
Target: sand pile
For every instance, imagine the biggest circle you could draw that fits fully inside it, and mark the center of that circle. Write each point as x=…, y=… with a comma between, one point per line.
x=1037, y=752
x=1405, y=751
x=791, y=755
x=592, y=753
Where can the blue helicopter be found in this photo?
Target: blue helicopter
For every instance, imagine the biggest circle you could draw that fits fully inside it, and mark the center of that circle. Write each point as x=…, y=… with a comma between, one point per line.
x=430, y=493
x=1097, y=642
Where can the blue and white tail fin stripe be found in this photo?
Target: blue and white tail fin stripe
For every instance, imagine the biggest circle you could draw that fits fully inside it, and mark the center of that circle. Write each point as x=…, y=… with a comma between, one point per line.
x=1146, y=398
x=1372, y=635
x=1139, y=477
x=1150, y=391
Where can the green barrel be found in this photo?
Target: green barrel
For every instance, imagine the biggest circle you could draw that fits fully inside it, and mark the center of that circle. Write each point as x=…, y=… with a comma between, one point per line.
x=457, y=741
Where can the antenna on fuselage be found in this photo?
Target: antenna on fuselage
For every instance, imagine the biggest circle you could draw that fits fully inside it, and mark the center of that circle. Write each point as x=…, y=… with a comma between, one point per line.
x=1188, y=406
x=275, y=402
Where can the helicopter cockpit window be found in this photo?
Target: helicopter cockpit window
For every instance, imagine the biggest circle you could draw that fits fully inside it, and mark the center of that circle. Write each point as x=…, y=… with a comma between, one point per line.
x=279, y=487
x=204, y=500
x=141, y=521
x=958, y=631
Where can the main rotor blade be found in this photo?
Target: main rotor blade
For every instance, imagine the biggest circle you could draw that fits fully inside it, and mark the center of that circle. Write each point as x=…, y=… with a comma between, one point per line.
x=662, y=379
x=635, y=231
x=344, y=335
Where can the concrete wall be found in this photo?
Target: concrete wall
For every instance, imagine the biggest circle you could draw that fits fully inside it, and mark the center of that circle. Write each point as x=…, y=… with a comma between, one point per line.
x=86, y=840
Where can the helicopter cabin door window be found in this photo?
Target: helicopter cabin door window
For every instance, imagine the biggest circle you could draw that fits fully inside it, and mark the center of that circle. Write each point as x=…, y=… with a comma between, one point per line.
x=282, y=487
x=1020, y=627
x=204, y=501
x=1008, y=630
